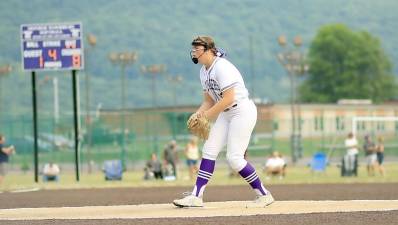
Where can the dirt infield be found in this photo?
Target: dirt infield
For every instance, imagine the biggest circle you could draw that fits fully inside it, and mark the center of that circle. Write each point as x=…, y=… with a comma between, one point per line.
x=134, y=196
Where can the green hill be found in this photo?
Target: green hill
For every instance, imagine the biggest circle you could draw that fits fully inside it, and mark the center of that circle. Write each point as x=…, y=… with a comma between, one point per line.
x=161, y=31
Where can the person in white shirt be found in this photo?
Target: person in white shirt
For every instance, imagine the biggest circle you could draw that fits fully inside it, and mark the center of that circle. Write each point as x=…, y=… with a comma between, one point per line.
x=192, y=155
x=275, y=165
x=351, y=156
x=51, y=172
x=225, y=101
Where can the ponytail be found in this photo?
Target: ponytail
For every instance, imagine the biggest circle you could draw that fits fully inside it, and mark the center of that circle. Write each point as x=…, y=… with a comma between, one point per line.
x=221, y=53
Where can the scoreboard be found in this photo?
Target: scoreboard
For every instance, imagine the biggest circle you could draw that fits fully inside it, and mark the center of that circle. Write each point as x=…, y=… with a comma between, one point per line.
x=52, y=46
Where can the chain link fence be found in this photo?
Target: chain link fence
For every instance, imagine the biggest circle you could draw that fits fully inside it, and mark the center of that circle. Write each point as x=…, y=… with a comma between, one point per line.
x=148, y=131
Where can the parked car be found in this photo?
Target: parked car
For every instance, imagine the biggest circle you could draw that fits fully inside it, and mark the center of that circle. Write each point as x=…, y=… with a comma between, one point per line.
x=59, y=141
x=25, y=144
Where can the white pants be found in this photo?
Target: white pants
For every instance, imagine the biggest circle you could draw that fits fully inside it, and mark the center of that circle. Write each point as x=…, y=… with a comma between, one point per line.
x=232, y=128
x=349, y=159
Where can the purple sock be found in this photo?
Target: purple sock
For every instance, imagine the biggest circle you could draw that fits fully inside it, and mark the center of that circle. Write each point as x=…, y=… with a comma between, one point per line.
x=250, y=175
x=205, y=172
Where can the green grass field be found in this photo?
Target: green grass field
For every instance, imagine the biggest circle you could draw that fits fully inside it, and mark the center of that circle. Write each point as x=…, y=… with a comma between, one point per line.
x=295, y=175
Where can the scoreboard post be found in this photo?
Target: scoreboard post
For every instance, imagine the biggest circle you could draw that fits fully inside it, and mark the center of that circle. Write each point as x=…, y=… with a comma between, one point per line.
x=53, y=47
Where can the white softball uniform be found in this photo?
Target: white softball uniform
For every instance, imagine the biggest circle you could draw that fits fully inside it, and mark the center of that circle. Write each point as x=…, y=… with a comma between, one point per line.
x=234, y=126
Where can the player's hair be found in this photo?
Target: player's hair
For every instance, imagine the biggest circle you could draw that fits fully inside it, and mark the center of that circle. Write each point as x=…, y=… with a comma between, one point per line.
x=1, y=137
x=206, y=42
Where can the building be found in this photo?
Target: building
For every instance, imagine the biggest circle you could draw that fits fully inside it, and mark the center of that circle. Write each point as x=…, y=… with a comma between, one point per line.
x=316, y=119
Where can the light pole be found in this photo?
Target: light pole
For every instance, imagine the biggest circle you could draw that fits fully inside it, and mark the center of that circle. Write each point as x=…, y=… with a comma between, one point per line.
x=251, y=68
x=175, y=80
x=154, y=70
x=123, y=59
x=92, y=40
x=293, y=60
x=4, y=70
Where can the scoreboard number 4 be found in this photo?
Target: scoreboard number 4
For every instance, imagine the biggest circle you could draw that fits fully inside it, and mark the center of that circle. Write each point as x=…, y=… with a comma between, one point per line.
x=53, y=54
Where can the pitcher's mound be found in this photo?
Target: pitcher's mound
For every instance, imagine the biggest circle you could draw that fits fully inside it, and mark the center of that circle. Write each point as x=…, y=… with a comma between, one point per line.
x=211, y=209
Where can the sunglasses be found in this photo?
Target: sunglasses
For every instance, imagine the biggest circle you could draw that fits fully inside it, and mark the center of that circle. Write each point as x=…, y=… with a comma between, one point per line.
x=197, y=49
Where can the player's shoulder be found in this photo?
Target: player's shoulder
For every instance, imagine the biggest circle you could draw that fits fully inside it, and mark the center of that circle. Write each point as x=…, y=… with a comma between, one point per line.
x=223, y=63
x=225, y=66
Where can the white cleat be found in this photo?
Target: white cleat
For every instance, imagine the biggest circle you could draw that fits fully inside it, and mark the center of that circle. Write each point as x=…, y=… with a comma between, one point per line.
x=261, y=201
x=189, y=201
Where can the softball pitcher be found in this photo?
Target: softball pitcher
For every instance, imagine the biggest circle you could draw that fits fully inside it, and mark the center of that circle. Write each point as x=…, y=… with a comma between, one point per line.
x=226, y=100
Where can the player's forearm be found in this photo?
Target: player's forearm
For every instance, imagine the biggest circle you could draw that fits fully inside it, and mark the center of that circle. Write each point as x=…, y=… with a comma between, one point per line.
x=220, y=106
x=206, y=105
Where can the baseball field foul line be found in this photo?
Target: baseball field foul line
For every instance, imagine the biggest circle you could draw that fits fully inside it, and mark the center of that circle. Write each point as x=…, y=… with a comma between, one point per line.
x=211, y=209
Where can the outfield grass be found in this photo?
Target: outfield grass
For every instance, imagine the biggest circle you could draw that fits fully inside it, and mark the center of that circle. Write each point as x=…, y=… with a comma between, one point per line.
x=295, y=175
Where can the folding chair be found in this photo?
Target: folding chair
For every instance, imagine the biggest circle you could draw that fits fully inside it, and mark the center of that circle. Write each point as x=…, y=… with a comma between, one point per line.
x=113, y=170
x=319, y=162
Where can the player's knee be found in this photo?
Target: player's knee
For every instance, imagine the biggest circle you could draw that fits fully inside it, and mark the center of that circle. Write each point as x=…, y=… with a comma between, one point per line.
x=209, y=155
x=236, y=162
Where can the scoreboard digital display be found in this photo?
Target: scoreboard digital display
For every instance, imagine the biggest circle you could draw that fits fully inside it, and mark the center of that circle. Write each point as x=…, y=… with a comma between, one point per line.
x=52, y=46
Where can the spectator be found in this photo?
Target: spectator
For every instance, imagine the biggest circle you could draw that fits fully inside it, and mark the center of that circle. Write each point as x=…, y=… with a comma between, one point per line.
x=350, y=164
x=380, y=155
x=51, y=172
x=275, y=165
x=371, y=155
x=170, y=157
x=153, y=168
x=5, y=152
x=192, y=155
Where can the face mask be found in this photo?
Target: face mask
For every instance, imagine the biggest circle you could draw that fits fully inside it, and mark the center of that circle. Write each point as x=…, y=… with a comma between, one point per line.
x=194, y=59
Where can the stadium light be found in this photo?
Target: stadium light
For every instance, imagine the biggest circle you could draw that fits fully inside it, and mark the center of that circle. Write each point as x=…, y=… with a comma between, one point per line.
x=294, y=62
x=92, y=41
x=175, y=80
x=4, y=70
x=123, y=59
x=154, y=71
